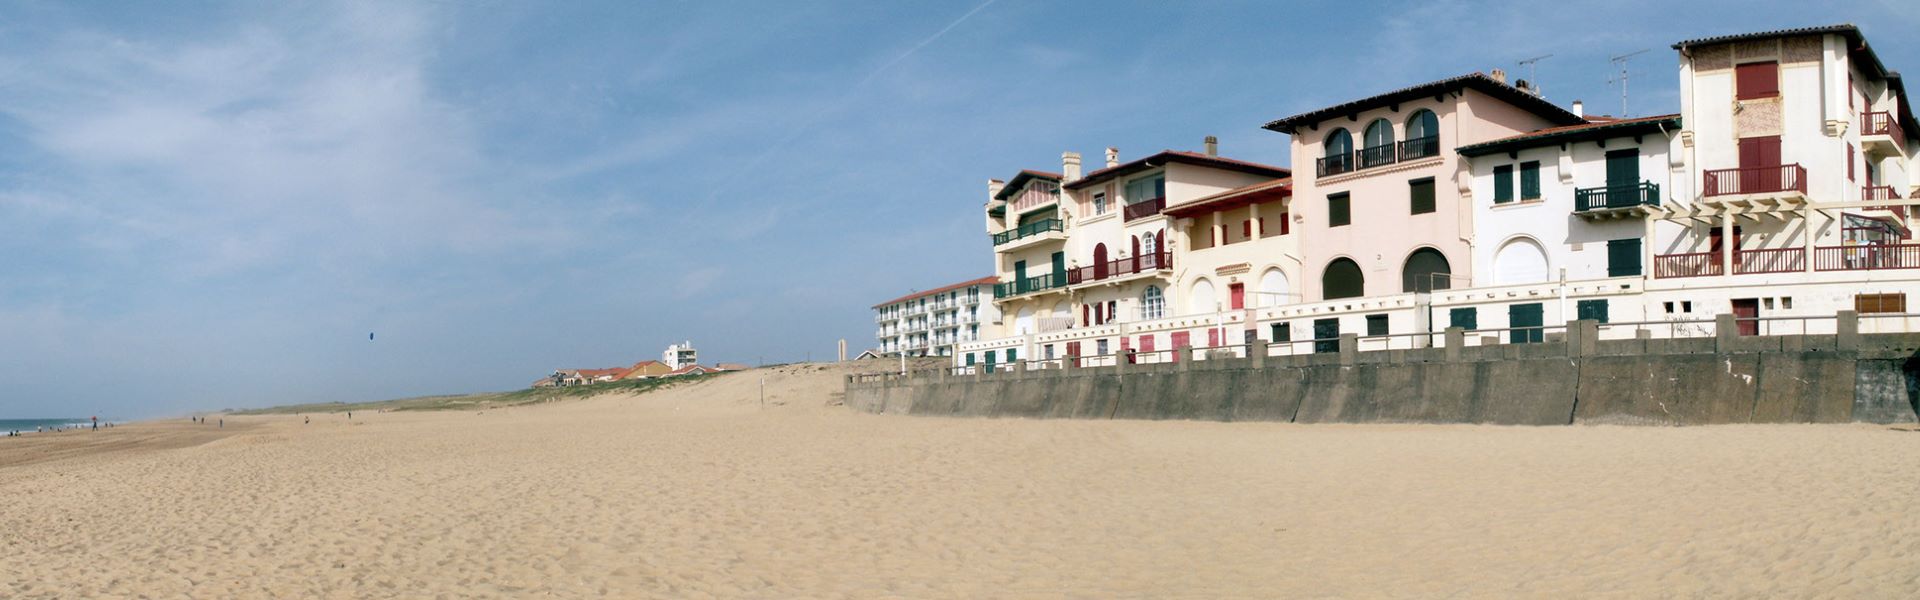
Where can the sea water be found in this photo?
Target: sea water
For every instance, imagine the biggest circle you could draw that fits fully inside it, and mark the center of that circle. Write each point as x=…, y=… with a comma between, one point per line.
x=28, y=425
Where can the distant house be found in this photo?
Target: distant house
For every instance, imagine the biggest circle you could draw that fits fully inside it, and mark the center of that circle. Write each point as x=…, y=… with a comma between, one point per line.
x=602, y=375
x=548, y=381
x=690, y=370
x=731, y=367
x=871, y=354
x=646, y=369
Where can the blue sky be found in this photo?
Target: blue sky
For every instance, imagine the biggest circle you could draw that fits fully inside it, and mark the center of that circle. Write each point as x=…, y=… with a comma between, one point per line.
x=212, y=205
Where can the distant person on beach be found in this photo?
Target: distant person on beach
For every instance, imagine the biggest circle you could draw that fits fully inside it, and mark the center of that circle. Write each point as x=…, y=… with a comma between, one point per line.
x=223, y=423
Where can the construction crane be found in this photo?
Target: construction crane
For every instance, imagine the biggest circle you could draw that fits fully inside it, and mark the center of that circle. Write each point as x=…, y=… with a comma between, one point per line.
x=1621, y=61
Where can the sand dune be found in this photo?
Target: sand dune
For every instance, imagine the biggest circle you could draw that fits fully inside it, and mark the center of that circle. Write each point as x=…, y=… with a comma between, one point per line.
x=696, y=491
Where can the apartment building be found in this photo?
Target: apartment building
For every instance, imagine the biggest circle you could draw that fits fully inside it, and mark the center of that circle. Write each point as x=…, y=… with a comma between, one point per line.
x=1780, y=187
x=930, y=323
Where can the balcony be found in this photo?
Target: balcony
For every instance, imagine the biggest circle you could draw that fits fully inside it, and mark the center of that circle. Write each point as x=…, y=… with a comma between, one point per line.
x=1009, y=289
x=1881, y=132
x=1420, y=147
x=1774, y=180
x=1691, y=264
x=1616, y=201
x=1745, y=262
x=1374, y=156
x=1866, y=257
x=1145, y=208
x=1883, y=193
x=1334, y=164
x=1038, y=229
x=1115, y=269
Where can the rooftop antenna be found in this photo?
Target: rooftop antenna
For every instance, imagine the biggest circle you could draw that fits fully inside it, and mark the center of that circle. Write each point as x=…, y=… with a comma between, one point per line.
x=1621, y=79
x=1528, y=63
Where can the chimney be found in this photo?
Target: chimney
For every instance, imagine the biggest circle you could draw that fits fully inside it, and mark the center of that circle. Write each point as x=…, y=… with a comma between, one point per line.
x=1070, y=166
x=1579, y=109
x=1213, y=146
x=1499, y=75
x=1113, y=156
x=993, y=188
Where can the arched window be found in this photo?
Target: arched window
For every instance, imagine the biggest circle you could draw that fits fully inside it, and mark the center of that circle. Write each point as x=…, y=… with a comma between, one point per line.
x=1520, y=261
x=1379, y=148
x=1023, y=323
x=1274, y=289
x=1149, y=245
x=1339, y=152
x=1425, y=271
x=1200, y=302
x=1342, y=279
x=1153, y=304
x=1423, y=135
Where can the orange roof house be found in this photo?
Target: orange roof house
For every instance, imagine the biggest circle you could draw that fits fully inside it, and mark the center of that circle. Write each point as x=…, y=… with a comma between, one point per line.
x=646, y=369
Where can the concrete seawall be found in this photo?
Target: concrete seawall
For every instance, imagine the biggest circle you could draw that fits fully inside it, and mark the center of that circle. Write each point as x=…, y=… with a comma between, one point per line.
x=1786, y=379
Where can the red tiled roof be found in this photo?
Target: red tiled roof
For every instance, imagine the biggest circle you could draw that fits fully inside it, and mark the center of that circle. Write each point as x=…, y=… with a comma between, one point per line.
x=1479, y=81
x=1180, y=156
x=1626, y=125
x=1234, y=198
x=963, y=284
x=598, y=372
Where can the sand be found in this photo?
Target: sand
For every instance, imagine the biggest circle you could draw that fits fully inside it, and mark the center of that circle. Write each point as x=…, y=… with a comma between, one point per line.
x=696, y=491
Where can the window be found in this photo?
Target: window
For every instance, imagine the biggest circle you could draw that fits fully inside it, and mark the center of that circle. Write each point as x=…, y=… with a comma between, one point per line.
x=1339, y=210
x=1342, y=279
x=1756, y=80
x=1467, y=318
x=1049, y=349
x=1376, y=324
x=1285, y=223
x=1282, y=332
x=1880, y=303
x=1338, y=153
x=1423, y=136
x=1426, y=270
x=1379, y=148
x=1100, y=347
x=1592, y=310
x=1153, y=303
x=1530, y=180
x=1100, y=204
x=1623, y=257
x=1421, y=191
x=1503, y=184
x=1146, y=188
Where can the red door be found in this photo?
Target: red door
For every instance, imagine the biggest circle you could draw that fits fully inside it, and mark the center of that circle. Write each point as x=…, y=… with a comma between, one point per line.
x=1758, y=156
x=1213, y=337
x=1746, y=314
x=1073, y=352
x=1124, y=352
x=1715, y=240
x=1146, y=344
x=1238, y=293
x=1181, y=341
x=1099, y=261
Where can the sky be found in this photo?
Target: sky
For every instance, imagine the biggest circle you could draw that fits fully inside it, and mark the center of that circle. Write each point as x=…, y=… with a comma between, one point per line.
x=211, y=205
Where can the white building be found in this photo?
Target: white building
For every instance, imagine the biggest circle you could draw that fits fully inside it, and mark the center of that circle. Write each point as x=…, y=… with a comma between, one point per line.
x=1779, y=193
x=680, y=355
x=930, y=323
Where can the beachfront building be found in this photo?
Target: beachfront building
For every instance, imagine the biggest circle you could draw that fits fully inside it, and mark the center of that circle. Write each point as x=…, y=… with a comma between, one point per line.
x=679, y=355
x=647, y=369
x=931, y=322
x=1780, y=189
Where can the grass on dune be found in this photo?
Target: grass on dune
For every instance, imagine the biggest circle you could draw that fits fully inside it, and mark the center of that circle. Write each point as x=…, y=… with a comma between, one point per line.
x=487, y=400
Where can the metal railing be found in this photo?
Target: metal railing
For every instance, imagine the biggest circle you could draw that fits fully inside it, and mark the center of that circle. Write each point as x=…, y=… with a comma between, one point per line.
x=1757, y=180
x=1145, y=208
x=1420, y=147
x=1617, y=196
x=1027, y=230
x=1334, y=164
x=1121, y=267
x=1008, y=289
x=1883, y=193
x=1882, y=123
x=1769, y=260
x=1374, y=156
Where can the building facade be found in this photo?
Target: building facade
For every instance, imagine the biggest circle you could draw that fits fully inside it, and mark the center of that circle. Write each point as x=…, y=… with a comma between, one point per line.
x=930, y=323
x=1780, y=190
x=679, y=355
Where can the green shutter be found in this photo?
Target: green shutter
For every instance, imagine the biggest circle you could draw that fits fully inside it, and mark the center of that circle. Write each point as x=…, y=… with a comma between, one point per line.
x=1465, y=318
x=1339, y=210
x=1421, y=191
x=1376, y=324
x=1592, y=310
x=1530, y=180
x=1503, y=184
x=1623, y=258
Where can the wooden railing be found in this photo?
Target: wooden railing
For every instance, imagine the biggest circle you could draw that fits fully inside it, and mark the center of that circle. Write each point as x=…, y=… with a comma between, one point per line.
x=1617, y=196
x=1881, y=123
x=1757, y=180
x=1146, y=208
x=1866, y=257
x=1692, y=264
x=1121, y=267
x=1769, y=260
x=1420, y=147
x=1883, y=193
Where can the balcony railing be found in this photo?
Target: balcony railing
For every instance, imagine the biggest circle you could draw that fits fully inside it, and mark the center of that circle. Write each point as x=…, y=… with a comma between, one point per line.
x=1121, y=267
x=1617, y=196
x=1769, y=260
x=1009, y=289
x=1145, y=208
x=1420, y=147
x=1692, y=264
x=1880, y=123
x=1883, y=193
x=1374, y=156
x=1866, y=257
x=1334, y=164
x=1027, y=230
x=1757, y=180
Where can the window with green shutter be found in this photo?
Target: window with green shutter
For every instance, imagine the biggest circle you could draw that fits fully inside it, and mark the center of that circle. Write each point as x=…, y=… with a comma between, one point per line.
x=1467, y=318
x=1421, y=191
x=1376, y=324
x=1530, y=180
x=1339, y=210
x=1503, y=184
x=1623, y=258
x=1282, y=332
x=1592, y=310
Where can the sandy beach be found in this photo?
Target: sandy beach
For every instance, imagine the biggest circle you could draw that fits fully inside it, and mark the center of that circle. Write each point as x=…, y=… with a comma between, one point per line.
x=696, y=491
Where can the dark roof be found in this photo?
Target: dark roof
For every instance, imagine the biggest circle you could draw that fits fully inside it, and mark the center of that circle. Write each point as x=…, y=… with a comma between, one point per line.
x=1572, y=133
x=1022, y=179
x=1856, y=47
x=949, y=288
x=1234, y=198
x=1476, y=80
x=1178, y=156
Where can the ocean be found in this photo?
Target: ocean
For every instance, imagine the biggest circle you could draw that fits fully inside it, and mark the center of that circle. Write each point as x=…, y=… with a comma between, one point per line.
x=28, y=425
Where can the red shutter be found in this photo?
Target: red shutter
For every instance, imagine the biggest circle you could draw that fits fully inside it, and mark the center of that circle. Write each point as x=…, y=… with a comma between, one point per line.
x=1113, y=308
x=1756, y=80
x=1073, y=352
x=1263, y=226
x=1850, y=162
x=1285, y=221
x=1181, y=341
x=1238, y=293
x=1146, y=343
x=1213, y=337
x=1086, y=316
x=1246, y=229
